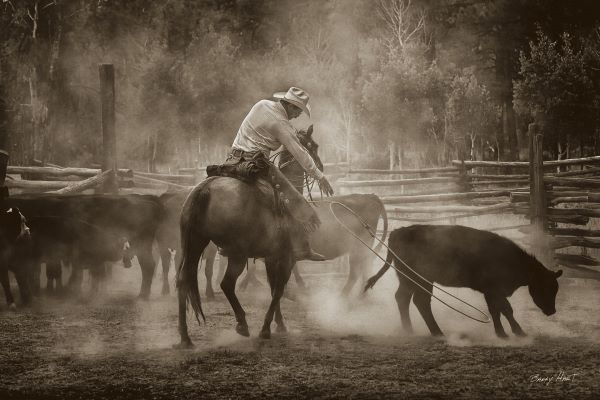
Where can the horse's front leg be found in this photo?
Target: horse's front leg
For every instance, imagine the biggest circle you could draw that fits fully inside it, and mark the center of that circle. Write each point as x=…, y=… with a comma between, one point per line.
x=279, y=271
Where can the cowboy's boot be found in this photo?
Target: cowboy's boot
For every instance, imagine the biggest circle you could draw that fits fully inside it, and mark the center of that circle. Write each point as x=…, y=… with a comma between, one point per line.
x=301, y=247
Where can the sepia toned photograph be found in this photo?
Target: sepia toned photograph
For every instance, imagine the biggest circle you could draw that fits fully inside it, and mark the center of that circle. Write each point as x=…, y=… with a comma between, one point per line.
x=299, y=199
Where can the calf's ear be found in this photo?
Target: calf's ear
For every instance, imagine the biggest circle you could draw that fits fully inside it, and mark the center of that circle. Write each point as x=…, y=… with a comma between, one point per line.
x=558, y=273
x=309, y=131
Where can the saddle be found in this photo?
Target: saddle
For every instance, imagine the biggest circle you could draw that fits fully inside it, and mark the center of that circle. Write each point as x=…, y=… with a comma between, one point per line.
x=254, y=168
x=251, y=168
x=247, y=167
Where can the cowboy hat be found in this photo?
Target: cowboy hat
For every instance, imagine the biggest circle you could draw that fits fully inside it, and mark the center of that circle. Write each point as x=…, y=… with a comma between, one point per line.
x=295, y=96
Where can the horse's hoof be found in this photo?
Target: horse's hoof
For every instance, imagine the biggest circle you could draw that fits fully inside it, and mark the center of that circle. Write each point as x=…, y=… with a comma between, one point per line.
x=437, y=335
x=520, y=334
x=242, y=330
x=165, y=291
x=265, y=334
x=281, y=328
x=502, y=335
x=185, y=344
x=143, y=296
x=12, y=307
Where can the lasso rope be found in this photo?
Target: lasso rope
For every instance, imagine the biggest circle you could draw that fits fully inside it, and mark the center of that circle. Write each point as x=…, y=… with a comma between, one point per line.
x=374, y=236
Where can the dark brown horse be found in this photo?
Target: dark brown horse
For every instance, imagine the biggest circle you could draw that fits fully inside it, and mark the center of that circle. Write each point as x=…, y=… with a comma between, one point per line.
x=216, y=211
x=238, y=218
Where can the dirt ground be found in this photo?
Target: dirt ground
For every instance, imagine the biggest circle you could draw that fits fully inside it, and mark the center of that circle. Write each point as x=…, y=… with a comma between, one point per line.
x=114, y=346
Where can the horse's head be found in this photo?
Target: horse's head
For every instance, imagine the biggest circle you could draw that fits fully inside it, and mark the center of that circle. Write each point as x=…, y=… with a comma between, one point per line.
x=305, y=137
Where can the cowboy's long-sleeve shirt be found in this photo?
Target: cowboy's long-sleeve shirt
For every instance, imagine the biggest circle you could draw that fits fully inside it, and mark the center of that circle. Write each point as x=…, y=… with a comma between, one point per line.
x=266, y=128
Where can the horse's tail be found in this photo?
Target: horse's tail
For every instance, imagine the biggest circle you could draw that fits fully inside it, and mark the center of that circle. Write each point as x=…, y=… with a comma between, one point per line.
x=194, y=210
x=383, y=215
x=373, y=280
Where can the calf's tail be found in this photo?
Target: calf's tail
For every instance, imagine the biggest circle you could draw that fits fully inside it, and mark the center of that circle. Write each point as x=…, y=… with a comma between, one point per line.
x=383, y=215
x=373, y=280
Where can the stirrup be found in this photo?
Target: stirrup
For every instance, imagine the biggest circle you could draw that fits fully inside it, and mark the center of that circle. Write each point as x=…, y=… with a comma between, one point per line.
x=309, y=255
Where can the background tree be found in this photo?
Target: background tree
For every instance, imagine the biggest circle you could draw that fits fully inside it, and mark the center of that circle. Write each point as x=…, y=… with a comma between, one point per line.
x=556, y=81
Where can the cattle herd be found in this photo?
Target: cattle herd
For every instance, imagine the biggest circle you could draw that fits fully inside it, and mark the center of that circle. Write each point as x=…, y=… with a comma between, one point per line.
x=86, y=231
x=80, y=232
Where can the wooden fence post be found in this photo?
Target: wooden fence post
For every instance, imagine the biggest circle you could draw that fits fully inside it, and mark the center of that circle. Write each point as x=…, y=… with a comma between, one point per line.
x=538, y=210
x=109, y=139
x=3, y=168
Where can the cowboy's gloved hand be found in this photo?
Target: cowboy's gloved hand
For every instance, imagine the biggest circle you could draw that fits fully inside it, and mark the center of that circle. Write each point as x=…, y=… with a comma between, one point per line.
x=325, y=186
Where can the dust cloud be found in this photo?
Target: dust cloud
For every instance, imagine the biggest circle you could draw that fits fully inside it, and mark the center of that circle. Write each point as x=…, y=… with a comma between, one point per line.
x=114, y=320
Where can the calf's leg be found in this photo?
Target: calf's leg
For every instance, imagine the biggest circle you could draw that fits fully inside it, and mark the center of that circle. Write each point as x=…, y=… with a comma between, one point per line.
x=53, y=269
x=403, y=295
x=355, y=263
x=423, y=302
x=76, y=278
x=10, y=300
x=210, y=254
x=250, y=276
x=147, y=264
x=222, y=267
x=21, y=275
x=493, y=302
x=165, y=260
x=298, y=277
x=507, y=310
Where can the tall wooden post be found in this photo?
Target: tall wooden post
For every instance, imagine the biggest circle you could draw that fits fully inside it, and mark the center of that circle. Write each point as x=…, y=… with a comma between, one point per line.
x=109, y=139
x=3, y=168
x=538, y=215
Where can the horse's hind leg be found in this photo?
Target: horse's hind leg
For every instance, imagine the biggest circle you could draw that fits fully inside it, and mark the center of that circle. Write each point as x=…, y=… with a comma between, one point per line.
x=507, y=310
x=422, y=300
x=279, y=271
x=235, y=266
x=493, y=302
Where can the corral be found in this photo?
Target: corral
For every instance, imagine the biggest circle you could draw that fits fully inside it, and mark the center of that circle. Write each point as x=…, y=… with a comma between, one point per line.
x=116, y=117
x=114, y=345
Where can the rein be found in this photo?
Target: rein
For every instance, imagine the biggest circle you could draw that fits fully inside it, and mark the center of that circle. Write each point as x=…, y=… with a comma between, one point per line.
x=374, y=236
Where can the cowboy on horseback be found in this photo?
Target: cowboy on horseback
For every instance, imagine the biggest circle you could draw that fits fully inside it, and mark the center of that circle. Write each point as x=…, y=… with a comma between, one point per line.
x=267, y=127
